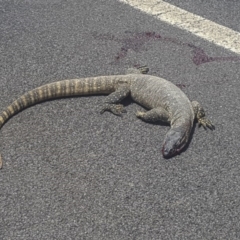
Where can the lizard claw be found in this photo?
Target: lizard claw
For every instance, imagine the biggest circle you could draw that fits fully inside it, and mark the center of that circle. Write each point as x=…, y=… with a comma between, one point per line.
x=143, y=69
x=205, y=123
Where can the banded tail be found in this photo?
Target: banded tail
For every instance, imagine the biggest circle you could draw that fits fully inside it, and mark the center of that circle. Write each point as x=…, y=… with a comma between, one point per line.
x=64, y=88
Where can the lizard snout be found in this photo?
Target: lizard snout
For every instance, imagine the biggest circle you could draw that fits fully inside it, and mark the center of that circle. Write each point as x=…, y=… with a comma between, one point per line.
x=174, y=142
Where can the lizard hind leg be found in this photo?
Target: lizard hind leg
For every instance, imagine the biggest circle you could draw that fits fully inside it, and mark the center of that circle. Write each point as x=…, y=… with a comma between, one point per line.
x=112, y=101
x=200, y=116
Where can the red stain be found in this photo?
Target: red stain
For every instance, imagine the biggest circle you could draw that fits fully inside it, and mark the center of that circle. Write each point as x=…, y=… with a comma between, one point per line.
x=180, y=85
x=136, y=42
x=201, y=57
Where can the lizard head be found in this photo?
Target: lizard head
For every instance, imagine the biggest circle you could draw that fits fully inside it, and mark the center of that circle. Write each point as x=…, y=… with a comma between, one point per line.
x=174, y=142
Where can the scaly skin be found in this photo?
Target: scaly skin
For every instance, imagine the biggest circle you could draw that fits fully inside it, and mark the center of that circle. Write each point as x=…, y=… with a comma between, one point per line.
x=166, y=102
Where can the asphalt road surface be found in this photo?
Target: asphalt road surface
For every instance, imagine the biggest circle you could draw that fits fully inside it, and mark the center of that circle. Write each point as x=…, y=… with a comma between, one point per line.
x=71, y=173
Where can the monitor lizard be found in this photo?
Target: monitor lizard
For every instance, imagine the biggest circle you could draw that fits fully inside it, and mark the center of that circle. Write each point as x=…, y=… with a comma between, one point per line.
x=165, y=101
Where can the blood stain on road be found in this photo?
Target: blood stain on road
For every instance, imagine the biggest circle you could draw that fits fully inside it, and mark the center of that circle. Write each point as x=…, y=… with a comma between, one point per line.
x=136, y=41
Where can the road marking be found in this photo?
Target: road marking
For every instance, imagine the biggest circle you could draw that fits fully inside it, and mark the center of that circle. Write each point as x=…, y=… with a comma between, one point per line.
x=199, y=26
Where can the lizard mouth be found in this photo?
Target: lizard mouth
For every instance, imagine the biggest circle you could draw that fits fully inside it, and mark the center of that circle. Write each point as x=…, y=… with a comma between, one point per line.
x=173, y=147
x=168, y=154
x=172, y=152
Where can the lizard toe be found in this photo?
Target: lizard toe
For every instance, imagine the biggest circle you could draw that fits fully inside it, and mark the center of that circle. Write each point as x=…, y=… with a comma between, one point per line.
x=139, y=114
x=116, y=109
x=206, y=123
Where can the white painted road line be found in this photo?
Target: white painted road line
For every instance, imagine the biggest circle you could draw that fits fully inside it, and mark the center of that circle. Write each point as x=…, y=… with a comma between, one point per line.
x=199, y=26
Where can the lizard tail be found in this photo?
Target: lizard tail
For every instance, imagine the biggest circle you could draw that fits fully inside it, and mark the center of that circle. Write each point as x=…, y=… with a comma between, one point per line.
x=45, y=92
x=64, y=88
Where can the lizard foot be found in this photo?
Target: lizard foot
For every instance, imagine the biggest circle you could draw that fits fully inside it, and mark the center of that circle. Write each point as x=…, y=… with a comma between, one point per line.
x=116, y=109
x=200, y=116
x=143, y=69
x=138, y=70
x=206, y=123
x=140, y=114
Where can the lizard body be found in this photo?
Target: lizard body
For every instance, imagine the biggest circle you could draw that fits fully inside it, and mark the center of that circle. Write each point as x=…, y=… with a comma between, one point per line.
x=165, y=101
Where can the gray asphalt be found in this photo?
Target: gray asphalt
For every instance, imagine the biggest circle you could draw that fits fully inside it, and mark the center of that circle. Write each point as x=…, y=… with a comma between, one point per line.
x=71, y=173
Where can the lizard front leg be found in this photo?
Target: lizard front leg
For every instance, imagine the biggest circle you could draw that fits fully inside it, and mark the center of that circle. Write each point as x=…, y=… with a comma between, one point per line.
x=154, y=115
x=200, y=116
x=114, y=98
